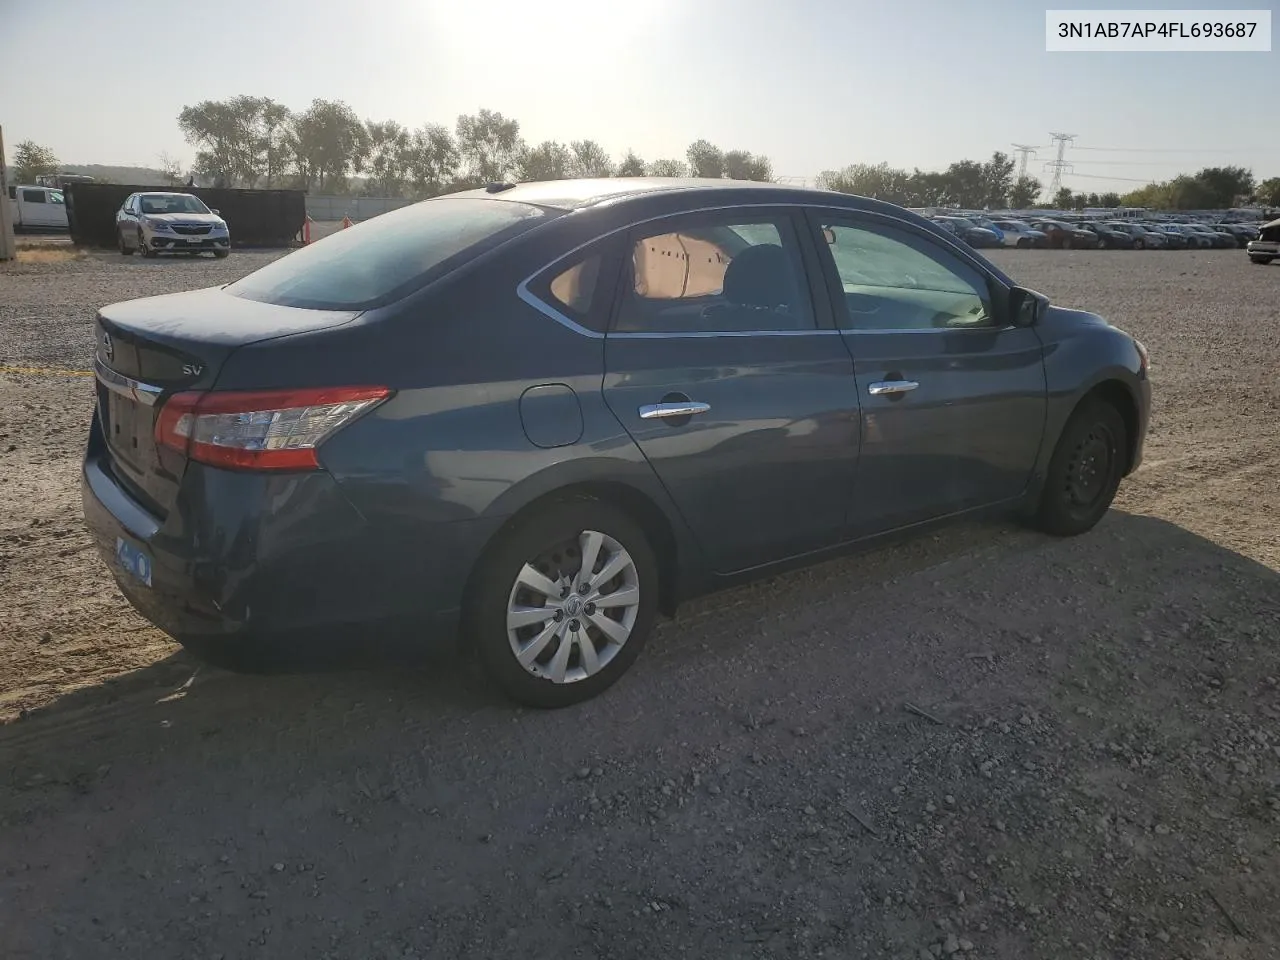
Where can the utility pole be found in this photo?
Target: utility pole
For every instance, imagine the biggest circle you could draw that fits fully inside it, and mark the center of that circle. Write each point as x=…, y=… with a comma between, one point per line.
x=1023, y=151
x=1059, y=166
x=8, y=249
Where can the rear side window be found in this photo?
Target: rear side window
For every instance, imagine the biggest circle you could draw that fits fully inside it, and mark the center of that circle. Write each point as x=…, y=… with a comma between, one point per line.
x=33, y=196
x=388, y=257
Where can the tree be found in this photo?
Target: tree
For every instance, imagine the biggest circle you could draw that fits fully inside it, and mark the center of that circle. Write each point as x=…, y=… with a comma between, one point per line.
x=1023, y=193
x=171, y=170
x=966, y=183
x=327, y=142
x=549, y=160
x=879, y=181
x=668, y=168
x=432, y=159
x=705, y=159
x=997, y=180
x=388, y=164
x=31, y=160
x=741, y=165
x=273, y=146
x=1223, y=186
x=1109, y=200
x=1064, y=199
x=1268, y=192
x=631, y=165
x=489, y=145
x=589, y=160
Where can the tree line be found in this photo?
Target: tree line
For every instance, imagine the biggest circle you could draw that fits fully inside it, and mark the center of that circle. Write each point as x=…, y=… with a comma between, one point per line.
x=992, y=184
x=255, y=142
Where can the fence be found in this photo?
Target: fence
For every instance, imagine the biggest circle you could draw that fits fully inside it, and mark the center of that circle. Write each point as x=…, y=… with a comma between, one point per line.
x=357, y=208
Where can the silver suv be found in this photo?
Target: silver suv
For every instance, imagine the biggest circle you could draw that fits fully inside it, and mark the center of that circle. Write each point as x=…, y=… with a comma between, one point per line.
x=170, y=222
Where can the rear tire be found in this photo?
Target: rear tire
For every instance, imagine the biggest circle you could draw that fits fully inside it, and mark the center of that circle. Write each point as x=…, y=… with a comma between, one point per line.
x=221, y=254
x=1023, y=243
x=537, y=565
x=1139, y=245
x=1261, y=261
x=1085, y=470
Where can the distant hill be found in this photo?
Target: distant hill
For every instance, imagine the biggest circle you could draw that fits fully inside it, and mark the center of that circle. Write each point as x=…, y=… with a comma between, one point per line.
x=141, y=176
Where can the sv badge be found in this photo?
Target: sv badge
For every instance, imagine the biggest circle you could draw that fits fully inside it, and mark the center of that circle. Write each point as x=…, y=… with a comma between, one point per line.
x=192, y=369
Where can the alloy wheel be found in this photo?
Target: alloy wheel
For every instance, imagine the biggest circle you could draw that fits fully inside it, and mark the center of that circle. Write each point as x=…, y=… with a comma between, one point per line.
x=573, y=608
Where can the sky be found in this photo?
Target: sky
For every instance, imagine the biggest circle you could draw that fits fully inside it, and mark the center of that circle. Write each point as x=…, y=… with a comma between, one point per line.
x=812, y=84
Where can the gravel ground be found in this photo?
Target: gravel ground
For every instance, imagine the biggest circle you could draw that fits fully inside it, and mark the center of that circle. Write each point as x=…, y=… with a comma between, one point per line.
x=985, y=743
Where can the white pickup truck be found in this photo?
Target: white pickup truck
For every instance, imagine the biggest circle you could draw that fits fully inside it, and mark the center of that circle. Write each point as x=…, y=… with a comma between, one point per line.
x=37, y=208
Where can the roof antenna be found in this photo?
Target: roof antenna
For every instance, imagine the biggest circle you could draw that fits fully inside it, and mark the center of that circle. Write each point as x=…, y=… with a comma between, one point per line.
x=497, y=187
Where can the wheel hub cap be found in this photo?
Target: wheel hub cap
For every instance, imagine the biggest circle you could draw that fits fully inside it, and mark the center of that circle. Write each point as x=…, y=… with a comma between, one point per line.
x=573, y=607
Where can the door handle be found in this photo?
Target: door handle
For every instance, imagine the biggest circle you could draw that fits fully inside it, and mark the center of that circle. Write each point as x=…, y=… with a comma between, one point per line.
x=660, y=411
x=890, y=387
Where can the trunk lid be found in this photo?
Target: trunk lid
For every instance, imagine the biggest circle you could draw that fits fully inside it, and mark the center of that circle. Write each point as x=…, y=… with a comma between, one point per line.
x=146, y=350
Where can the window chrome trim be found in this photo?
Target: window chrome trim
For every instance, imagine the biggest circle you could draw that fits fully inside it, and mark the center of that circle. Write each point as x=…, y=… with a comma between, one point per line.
x=547, y=310
x=144, y=393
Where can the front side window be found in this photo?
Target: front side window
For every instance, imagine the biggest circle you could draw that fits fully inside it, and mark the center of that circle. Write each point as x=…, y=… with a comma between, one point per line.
x=55, y=196
x=388, y=256
x=715, y=274
x=893, y=280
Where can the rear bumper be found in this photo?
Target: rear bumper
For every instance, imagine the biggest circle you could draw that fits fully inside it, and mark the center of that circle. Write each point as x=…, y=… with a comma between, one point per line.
x=281, y=560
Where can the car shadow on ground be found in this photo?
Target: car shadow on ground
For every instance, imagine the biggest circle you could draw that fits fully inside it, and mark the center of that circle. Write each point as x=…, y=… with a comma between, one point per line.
x=854, y=599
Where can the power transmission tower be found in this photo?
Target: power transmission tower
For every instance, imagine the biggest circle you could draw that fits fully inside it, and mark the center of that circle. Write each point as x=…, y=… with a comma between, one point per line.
x=1023, y=151
x=1059, y=166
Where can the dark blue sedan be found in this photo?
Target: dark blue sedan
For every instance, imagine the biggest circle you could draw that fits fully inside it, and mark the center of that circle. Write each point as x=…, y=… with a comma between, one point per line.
x=533, y=417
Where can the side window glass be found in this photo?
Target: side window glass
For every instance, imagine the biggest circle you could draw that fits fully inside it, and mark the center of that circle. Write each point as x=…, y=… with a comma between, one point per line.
x=33, y=196
x=56, y=197
x=715, y=275
x=895, y=281
x=573, y=289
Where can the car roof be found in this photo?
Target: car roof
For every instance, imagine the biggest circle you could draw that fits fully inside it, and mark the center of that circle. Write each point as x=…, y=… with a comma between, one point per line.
x=575, y=194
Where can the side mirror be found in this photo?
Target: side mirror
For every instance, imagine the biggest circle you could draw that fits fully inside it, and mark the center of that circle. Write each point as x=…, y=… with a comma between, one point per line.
x=214, y=210
x=1026, y=307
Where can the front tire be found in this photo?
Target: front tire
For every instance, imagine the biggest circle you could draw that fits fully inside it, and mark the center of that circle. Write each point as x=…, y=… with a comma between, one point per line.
x=125, y=249
x=562, y=603
x=221, y=254
x=1085, y=470
x=1139, y=245
x=1261, y=261
x=146, y=251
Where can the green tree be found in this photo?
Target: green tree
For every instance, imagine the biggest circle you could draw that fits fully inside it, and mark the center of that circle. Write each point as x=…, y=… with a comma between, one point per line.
x=549, y=160
x=1023, y=193
x=489, y=145
x=997, y=180
x=272, y=136
x=668, y=168
x=31, y=160
x=1268, y=192
x=631, y=165
x=705, y=159
x=1064, y=199
x=1109, y=200
x=743, y=165
x=589, y=159
x=966, y=182
x=879, y=181
x=1223, y=186
x=432, y=160
x=328, y=142
x=388, y=163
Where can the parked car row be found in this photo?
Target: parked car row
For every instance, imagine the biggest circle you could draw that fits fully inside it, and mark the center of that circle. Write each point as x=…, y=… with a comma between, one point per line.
x=1061, y=233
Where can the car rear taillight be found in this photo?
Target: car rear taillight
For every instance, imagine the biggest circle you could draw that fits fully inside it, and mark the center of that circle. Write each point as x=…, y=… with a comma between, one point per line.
x=260, y=429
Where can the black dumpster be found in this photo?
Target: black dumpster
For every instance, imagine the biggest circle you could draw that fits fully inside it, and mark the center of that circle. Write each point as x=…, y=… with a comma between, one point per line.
x=255, y=218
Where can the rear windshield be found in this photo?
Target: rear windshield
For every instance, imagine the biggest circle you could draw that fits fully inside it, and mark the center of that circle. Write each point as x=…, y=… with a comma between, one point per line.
x=389, y=256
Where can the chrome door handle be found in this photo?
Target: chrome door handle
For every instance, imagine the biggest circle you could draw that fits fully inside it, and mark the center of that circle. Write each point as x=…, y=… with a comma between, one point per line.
x=659, y=411
x=882, y=387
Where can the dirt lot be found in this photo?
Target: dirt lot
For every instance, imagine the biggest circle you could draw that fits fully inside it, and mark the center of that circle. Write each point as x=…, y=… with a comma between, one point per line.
x=984, y=744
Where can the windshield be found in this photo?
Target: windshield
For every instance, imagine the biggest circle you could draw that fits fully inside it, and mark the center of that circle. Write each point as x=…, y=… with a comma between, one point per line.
x=172, y=203
x=389, y=256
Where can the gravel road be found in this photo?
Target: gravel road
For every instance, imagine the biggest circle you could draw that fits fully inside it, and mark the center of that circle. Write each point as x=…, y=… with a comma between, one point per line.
x=983, y=744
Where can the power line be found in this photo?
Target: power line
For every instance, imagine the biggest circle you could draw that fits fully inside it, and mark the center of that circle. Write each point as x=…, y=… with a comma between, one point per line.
x=1153, y=150
x=1094, y=176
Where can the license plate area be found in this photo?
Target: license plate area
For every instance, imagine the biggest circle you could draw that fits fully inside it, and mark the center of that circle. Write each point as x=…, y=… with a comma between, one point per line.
x=128, y=426
x=133, y=561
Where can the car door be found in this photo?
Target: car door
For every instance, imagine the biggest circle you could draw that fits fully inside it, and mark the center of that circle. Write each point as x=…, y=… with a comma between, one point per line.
x=953, y=398
x=34, y=207
x=722, y=365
